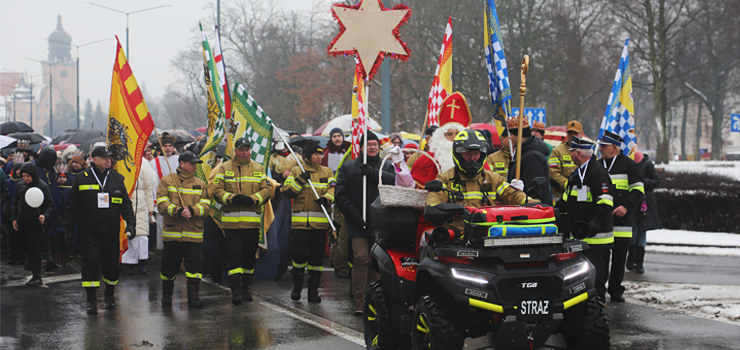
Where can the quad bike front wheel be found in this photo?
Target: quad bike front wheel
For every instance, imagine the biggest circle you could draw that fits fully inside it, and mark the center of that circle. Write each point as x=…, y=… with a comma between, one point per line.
x=586, y=326
x=432, y=329
x=377, y=324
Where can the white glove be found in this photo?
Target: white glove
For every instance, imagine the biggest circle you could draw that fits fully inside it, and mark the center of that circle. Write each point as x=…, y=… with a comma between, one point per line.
x=518, y=184
x=396, y=155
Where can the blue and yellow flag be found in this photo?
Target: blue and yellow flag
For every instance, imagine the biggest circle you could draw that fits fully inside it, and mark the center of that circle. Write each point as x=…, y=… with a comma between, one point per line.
x=619, y=117
x=498, y=75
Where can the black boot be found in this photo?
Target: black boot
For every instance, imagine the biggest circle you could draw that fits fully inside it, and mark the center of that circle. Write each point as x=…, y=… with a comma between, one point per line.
x=142, y=267
x=630, y=258
x=193, y=293
x=35, y=281
x=236, y=288
x=110, y=301
x=92, y=301
x=167, y=289
x=640, y=260
x=314, y=279
x=295, y=294
x=246, y=281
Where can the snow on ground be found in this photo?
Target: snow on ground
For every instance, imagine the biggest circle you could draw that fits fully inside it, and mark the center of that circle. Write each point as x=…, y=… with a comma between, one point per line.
x=726, y=168
x=734, y=252
x=716, y=243
x=720, y=303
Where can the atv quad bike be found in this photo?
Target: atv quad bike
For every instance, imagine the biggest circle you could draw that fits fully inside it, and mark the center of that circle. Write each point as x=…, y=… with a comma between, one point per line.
x=511, y=282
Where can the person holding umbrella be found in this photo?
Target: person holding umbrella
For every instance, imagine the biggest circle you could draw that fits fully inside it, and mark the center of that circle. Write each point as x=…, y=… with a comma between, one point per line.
x=32, y=208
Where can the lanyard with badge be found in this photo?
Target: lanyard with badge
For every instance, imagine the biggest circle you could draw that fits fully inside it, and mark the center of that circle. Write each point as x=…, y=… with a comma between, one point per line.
x=582, y=191
x=103, y=197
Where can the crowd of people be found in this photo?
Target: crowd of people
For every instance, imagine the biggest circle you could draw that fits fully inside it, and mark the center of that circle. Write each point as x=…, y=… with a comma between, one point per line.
x=214, y=227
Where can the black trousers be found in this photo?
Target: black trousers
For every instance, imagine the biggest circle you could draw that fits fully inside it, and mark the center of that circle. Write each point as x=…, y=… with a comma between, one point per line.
x=34, y=234
x=174, y=252
x=619, y=259
x=100, y=250
x=599, y=257
x=17, y=243
x=241, y=247
x=307, y=248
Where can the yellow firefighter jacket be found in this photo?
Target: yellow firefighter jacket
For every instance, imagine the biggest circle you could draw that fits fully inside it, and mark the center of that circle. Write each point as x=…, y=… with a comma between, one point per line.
x=307, y=214
x=241, y=176
x=561, y=166
x=473, y=191
x=499, y=161
x=193, y=192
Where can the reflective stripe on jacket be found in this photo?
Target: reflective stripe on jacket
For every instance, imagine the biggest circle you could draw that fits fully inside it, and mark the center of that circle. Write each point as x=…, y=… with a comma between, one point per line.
x=628, y=189
x=499, y=161
x=193, y=193
x=307, y=214
x=241, y=176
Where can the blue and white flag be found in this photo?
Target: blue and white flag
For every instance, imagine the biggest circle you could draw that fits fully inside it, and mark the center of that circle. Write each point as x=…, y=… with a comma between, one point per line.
x=619, y=117
x=498, y=76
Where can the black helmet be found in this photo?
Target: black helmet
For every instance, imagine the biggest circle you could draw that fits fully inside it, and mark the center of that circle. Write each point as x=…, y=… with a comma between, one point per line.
x=469, y=140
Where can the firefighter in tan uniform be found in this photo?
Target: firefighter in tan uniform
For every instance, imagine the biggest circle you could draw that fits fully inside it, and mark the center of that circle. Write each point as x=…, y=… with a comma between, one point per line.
x=309, y=224
x=499, y=160
x=182, y=231
x=561, y=164
x=242, y=187
x=473, y=186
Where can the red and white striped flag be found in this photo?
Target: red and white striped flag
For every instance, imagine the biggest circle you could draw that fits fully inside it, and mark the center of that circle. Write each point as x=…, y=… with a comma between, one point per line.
x=442, y=84
x=359, y=111
x=221, y=69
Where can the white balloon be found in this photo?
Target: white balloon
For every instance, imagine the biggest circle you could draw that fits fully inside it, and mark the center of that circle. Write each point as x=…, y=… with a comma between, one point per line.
x=34, y=197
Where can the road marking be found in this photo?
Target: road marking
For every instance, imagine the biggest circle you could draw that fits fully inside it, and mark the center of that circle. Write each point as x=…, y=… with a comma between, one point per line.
x=46, y=280
x=327, y=325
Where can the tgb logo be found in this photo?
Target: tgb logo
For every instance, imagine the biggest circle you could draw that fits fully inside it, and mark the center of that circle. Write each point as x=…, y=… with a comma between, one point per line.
x=526, y=285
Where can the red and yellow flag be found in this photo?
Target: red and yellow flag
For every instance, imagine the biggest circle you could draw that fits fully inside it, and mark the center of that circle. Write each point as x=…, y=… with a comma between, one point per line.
x=442, y=84
x=359, y=111
x=129, y=126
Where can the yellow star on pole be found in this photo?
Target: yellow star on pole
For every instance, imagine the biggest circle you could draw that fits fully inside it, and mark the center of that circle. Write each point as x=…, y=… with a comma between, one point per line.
x=369, y=31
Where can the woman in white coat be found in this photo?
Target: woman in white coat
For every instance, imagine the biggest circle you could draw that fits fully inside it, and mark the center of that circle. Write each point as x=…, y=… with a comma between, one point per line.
x=143, y=203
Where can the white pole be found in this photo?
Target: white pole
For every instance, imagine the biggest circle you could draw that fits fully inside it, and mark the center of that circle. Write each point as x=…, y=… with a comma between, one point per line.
x=364, y=155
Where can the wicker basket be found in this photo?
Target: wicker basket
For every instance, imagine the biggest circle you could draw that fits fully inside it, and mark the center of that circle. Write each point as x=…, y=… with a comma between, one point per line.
x=398, y=196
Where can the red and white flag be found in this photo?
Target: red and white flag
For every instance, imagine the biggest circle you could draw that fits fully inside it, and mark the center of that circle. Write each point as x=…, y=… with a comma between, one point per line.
x=221, y=69
x=442, y=84
x=359, y=111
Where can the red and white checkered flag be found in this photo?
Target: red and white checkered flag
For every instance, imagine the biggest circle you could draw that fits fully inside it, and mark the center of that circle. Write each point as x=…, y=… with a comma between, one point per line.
x=442, y=84
x=359, y=112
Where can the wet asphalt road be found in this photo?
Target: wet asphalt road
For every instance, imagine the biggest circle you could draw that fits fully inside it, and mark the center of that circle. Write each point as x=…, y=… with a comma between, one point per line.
x=54, y=317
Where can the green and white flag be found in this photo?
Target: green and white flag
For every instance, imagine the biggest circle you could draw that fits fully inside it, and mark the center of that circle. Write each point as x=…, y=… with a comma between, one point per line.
x=216, y=119
x=253, y=124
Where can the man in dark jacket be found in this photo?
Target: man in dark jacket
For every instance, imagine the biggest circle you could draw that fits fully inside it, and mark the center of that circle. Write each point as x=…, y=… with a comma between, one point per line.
x=628, y=191
x=349, y=200
x=588, y=200
x=647, y=218
x=32, y=221
x=96, y=202
x=534, y=162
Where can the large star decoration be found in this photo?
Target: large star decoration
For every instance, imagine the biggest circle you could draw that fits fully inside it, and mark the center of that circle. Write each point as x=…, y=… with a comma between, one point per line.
x=370, y=32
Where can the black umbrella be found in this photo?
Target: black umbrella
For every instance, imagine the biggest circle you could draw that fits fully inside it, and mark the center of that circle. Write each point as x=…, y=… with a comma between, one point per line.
x=182, y=137
x=11, y=127
x=87, y=145
x=64, y=136
x=31, y=137
x=84, y=135
x=11, y=148
x=302, y=141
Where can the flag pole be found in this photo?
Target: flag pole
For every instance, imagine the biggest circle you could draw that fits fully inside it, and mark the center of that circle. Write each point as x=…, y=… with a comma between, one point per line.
x=326, y=213
x=364, y=154
x=522, y=92
x=177, y=183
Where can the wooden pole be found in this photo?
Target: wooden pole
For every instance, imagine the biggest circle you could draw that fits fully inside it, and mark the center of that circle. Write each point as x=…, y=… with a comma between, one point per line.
x=177, y=182
x=522, y=92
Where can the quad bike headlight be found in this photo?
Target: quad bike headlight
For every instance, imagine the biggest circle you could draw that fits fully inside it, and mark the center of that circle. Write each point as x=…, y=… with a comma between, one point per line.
x=472, y=276
x=574, y=270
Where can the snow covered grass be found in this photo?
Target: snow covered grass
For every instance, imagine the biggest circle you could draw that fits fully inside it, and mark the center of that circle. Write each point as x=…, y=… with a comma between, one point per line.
x=707, y=301
x=726, y=168
x=694, y=242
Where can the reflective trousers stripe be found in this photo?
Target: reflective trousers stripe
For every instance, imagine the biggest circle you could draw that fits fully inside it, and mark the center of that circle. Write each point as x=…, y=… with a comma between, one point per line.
x=90, y=284
x=623, y=231
x=241, y=270
x=315, y=268
x=112, y=283
x=165, y=278
x=193, y=275
x=601, y=238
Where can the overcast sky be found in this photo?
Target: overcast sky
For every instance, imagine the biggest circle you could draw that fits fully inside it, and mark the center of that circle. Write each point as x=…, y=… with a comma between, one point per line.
x=154, y=37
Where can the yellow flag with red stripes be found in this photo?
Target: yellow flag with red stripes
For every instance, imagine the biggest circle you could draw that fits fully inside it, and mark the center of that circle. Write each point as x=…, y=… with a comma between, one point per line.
x=129, y=126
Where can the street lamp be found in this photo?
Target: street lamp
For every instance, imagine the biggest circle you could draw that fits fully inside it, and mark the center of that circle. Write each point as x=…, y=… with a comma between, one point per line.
x=127, y=14
x=78, y=71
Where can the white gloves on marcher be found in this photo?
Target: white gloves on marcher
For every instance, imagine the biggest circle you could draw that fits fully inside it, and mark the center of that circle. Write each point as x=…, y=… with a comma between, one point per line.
x=396, y=155
x=518, y=184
